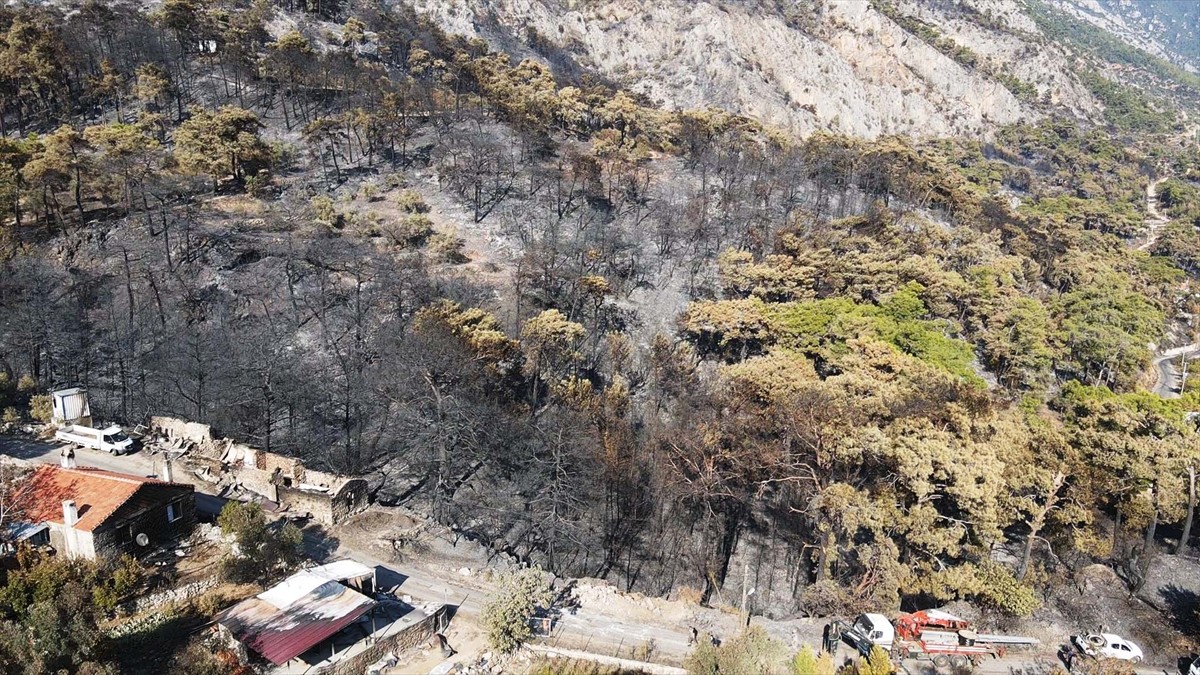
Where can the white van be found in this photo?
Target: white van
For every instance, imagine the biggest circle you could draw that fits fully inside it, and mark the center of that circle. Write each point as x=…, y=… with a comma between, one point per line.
x=110, y=439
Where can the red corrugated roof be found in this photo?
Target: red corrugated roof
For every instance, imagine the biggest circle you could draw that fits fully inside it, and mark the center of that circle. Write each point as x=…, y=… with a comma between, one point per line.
x=281, y=635
x=97, y=494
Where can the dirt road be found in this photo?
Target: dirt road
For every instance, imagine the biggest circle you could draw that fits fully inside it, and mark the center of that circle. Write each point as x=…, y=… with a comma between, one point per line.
x=1155, y=220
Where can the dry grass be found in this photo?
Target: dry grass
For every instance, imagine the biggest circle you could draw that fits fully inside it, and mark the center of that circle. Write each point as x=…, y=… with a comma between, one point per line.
x=691, y=596
x=243, y=206
x=551, y=666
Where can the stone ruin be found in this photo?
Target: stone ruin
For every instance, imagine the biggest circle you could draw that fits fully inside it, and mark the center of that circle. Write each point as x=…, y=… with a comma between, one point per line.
x=235, y=468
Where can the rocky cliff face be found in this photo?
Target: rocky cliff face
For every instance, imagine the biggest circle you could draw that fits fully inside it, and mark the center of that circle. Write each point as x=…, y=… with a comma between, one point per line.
x=1169, y=29
x=838, y=65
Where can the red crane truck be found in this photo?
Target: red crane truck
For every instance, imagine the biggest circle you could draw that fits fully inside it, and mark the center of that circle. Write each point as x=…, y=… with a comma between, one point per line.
x=932, y=634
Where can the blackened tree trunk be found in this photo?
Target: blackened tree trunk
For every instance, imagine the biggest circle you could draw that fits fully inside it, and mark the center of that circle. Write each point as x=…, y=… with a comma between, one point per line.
x=1191, y=511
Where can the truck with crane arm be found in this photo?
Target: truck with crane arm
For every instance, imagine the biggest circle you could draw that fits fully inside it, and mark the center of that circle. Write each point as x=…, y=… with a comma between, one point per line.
x=933, y=635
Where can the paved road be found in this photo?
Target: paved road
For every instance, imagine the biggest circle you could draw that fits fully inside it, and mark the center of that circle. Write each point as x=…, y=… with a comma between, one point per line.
x=47, y=452
x=1167, y=375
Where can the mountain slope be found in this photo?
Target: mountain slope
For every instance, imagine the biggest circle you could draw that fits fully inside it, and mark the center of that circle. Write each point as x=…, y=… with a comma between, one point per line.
x=1169, y=29
x=841, y=65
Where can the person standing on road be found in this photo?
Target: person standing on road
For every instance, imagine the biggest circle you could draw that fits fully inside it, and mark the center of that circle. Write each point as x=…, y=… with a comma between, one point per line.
x=68, y=457
x=832, y=637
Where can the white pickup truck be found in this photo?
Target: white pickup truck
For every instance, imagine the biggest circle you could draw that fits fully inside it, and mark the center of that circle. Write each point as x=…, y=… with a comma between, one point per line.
x=110, y=439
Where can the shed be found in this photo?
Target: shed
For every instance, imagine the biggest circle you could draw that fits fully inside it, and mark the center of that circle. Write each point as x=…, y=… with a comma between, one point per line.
x=70, y=406
x=300, y=612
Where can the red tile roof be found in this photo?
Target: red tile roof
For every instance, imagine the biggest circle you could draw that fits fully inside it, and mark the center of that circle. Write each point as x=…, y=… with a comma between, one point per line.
x=97, y=494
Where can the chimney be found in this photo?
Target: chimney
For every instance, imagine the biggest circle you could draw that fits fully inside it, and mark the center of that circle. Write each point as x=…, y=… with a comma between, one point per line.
x=70, y=513
x=167, y=473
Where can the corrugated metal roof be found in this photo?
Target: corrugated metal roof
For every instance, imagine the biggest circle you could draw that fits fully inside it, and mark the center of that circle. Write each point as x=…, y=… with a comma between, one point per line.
x=23, y=531
x=298, y=585
x=97, y=493
x=281, y=635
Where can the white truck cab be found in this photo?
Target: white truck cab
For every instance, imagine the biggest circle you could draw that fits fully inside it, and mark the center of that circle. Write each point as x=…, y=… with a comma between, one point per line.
x=109, y=439
x=875, y=629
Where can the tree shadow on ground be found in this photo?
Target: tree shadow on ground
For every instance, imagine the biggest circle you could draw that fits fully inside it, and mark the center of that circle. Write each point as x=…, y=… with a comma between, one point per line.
x=1182, y=604
x=319, y=543
x=151, y=649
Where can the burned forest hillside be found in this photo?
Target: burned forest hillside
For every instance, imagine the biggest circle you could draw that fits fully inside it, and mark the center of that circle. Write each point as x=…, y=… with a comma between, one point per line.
x=677, y=343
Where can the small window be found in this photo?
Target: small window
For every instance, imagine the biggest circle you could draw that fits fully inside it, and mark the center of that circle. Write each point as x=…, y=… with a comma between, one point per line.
x=173, y=513
x=1123, y=647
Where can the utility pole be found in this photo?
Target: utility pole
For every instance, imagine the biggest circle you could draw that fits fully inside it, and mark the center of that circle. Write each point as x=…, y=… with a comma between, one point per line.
x=746, y=592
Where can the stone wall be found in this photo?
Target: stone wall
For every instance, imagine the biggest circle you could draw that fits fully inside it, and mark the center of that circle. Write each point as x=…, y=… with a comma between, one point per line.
x=256, y=480
x=169, y=596
x=177, y=428
x=401, y=641
x=319, y=504
x=329, y=507
x=290, y=466
x=117, y=534
x=353, y=496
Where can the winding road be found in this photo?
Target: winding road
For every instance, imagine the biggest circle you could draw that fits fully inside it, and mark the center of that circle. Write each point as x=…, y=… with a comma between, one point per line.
x=1168, y=379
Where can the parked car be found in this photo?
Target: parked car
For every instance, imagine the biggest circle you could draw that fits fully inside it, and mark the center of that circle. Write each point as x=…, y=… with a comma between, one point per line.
x=1108, y=646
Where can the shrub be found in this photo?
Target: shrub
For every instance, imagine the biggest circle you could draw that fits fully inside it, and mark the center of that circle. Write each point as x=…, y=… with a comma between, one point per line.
x=827, y=598
x=876, y=663
x=117, y=582
x=447, y=247
x=645, y=650
x=11, y=416
x=506, y=617
x=410, y=201
x=41, y=408
x=26, y=384
x=690, y=595
x=283, y=155
x=556, y=666
x=999, y=589
x=751, y=652
x=323, y=210
x=808, y=662
x=210, y=603
x=262, y=550
x=410, y=230
x=260, y=185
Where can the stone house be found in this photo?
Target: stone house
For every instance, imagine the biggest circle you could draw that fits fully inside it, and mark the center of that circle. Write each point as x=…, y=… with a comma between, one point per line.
x=93, y=513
